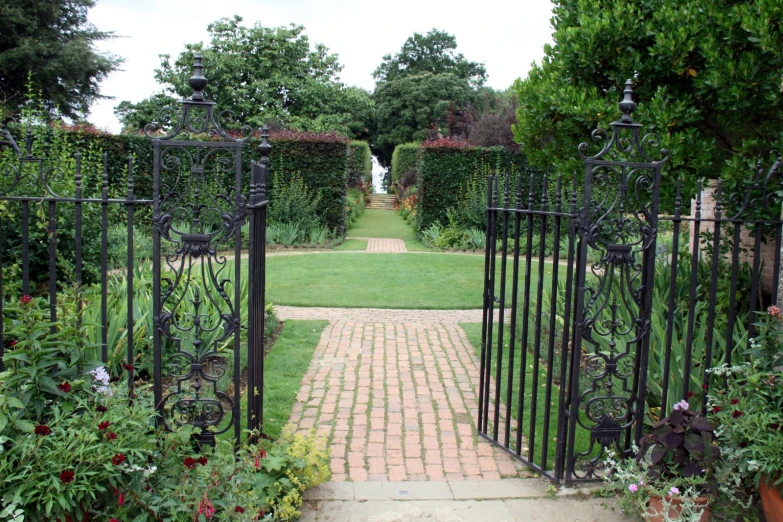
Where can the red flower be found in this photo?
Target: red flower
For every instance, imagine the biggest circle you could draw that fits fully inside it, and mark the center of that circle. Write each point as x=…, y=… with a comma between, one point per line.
x=262, y=453
x=121, y=499
x=189, y=462
x=11, y=344
x=103, y=425
x=703, y=386
x=239, y=509
x=689, y=395
x=127, y=366
x=66, y=477
x=100, y=408
x=202, y=461
x=114, y=520
x=111, y=435
x=716, y=409
x=118, y=459
x=64, y=387
x=736, y=414
x=774, y=426
x=257, y=462
x=734, y=401
x=261, y=513
x=25, y=299
x=42, y=429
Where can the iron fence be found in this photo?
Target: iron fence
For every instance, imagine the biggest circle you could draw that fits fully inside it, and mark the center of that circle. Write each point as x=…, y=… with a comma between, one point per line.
x=616, y=312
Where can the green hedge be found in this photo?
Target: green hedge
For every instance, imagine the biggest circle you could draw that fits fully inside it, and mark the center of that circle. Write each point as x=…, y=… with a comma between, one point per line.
x=446, y=173
x=320, y=159
x=404, y=158
x=359, y=163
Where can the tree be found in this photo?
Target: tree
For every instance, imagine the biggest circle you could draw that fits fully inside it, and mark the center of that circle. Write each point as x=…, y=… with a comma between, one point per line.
x=135, y=116
x=707, y=77
x=271, y=74
x=52, y=42
x=418, y=88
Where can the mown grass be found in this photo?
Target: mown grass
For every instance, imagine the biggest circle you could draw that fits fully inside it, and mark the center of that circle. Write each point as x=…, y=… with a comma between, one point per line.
x=352, y=244
x=582, y=438
x=385, y=224
x=405, y=281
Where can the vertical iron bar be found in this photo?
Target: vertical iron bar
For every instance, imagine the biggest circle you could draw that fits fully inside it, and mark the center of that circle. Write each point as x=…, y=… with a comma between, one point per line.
x=677, y=222
x=732, y=296
x=501, y=315
x=130, y=264
x=484, y=316
x=526, y=320
x=562, y=418
x=537, y=332
x=52, y=233
x=552, y=314
x=755, y=279
x=695, y=250
x=78, y=229
x=491, y=297
x=514, y=298
x=236, y=416
x=156, y=304
x=715, y=261
x=25, y=247
x=776, y=265
x=105, y=260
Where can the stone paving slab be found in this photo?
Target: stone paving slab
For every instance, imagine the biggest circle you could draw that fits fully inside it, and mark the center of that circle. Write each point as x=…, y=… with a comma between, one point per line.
x=424, y=490
x=382, y=315
x=529, y=510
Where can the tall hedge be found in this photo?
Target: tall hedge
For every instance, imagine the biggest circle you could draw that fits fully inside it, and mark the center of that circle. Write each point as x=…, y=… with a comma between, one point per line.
x=404, y=158
x=359, y=163
x=446, y=169
x=320, y=159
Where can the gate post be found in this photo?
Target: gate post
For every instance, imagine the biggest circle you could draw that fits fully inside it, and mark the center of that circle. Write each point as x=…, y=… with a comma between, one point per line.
x=618, y=220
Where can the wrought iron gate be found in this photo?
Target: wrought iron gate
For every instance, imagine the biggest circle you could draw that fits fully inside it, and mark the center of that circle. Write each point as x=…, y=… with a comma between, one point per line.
x=206, y=306
x=569, y=380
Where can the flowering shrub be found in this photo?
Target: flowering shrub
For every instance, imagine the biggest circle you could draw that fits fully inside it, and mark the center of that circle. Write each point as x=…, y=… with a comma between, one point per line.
x=71, y=443
x=750, y=408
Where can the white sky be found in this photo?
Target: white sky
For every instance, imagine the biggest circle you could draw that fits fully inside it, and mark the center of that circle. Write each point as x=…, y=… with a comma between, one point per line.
x=507, y=36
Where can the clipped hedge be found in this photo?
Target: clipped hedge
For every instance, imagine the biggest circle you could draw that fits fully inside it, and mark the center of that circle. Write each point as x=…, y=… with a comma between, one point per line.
x=404, y=158
x=359, y=163
x=320, y=159
x=447, y=168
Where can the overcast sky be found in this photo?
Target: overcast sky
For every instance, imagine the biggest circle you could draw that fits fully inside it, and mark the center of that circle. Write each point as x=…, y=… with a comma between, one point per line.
x=505, y=35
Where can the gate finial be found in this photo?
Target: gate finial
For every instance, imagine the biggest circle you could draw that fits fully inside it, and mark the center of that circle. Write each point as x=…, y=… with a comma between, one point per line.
x=197, y=82
x=627, y=106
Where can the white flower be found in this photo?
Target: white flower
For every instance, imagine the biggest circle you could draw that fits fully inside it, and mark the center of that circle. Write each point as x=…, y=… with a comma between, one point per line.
x=682, y=405
x=101, y=378
x=753, y=465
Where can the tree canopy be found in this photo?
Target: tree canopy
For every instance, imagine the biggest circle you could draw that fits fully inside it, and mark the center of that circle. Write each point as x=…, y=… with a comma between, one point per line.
x=418, y=89
x=265, y=75
x=707, y=78
x=52, y=42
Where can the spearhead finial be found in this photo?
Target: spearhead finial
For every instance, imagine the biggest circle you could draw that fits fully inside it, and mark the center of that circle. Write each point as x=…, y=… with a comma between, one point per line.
x=264, y=148
x=627, y=106
x=197, y=82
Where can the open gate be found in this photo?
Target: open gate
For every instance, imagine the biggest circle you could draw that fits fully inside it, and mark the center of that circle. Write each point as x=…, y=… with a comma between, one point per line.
x=564, y=342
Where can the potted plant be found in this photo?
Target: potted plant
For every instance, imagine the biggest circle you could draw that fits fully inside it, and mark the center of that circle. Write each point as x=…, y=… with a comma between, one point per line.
x=673, y=474
x=750, y=411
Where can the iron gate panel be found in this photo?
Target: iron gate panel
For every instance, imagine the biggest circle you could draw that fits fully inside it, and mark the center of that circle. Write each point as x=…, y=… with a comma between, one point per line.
x=200, y=322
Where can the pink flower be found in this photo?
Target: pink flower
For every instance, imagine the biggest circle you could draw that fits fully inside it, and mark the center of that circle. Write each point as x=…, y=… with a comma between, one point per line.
x=774, y=311
x=674, y=491
x=25, y=299
x=633, y=488
x=682, y=405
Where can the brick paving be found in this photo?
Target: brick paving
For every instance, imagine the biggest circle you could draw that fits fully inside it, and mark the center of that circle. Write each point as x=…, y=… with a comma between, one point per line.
x=394, y=393
x=376, y=244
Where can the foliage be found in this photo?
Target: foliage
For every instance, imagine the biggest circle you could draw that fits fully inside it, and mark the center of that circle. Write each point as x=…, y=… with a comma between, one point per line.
x=405, y=159
x=490, y=120
x=417, y=88
x=292, y=202
x=51, y=44
x=135, y=116
x=750, y=407
x=355, y=207
x=271, y=75
x=359, y=164
x=707, y=79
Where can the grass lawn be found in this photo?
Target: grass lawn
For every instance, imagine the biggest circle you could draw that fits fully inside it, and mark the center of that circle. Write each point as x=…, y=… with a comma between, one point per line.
x=352, y=244
x=407, y=281
x=387, y=224
x=473, y=332
x=284, y=368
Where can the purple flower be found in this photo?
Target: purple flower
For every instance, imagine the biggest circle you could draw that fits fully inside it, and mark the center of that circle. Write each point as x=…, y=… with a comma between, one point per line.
x=633, y=488
x=682, y=405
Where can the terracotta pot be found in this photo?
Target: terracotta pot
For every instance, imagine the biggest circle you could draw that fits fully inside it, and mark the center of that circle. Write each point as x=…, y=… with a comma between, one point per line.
x=770, y=501
x=655, y=508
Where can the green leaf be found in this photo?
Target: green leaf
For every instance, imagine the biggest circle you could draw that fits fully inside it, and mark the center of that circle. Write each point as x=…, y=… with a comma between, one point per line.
x=24, y=426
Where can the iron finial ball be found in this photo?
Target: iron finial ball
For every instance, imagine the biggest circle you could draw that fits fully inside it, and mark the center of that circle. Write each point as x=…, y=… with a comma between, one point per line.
x=264, y=148
x=627, y=106
x=197, y=82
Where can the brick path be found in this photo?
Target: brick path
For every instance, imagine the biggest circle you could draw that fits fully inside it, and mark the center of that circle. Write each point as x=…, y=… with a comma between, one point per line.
x=375, y=244
x=394, y=393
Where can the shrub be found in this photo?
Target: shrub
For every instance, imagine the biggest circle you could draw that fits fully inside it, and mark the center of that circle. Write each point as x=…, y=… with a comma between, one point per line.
x=359, y=163
x=405, y=158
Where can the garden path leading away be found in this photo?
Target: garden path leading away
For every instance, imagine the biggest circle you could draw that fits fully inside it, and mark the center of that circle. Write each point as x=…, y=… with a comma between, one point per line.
x=394, y=394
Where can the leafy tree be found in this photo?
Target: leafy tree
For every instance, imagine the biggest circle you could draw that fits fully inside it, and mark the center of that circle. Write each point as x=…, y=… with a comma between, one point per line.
x=707, y=77
x=51, y=41
x=418, y=89
x=269, y=74
x=135, y=116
